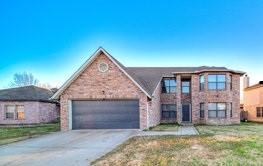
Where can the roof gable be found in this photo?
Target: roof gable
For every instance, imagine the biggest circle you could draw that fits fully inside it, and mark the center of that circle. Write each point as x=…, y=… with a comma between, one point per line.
x=88, y=63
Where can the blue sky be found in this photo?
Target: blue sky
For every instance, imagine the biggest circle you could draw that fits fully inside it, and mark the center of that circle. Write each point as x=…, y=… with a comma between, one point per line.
x=52, y=39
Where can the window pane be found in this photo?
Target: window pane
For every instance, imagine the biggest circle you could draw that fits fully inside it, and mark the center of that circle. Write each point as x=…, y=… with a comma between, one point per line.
x=221, y=78
x=172, y=89
x=172, y=114
x=172, y=107
x=221, y=86
x=166, y=82
x=165, y=89
x=202, y=106
x=221, y=106
x=10, y=112
x=211, y=78
x=211, y=106
x=20, y=112
x=221, y=114
x=212, y=114
x=202, y=86
x=258, y=112
x=211, y=86
x=202, y=114
x=172, y=82
x=164, y=107
x=185, y=89
x=185, y=83
x=202, y=79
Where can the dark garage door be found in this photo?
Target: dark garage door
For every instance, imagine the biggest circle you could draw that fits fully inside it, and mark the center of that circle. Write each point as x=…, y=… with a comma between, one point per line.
x=113, y=114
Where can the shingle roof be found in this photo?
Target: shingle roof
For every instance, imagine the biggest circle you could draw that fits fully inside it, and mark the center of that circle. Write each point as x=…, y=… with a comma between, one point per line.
x=146, y=78
x=149, y=77
x=26, y=93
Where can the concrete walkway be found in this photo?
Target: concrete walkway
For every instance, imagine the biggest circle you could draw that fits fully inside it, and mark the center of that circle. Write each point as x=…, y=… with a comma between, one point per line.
x=182, y=131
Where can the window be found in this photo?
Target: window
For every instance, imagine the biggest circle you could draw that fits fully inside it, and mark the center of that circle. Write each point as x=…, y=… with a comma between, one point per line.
x=231, y=110
x=185, y=86
x=168, y=111
x=20, y=113
x=169, y=85
x=202, y=110
x=15, y=112
x=10, y=112
x=216, y=110
x=216, y=82
x=202, y=82
x=230, y=82
x=259, y=112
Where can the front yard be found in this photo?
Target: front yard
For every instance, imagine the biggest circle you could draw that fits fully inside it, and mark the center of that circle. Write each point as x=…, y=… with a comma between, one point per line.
x=13, y=134
x=216, y=145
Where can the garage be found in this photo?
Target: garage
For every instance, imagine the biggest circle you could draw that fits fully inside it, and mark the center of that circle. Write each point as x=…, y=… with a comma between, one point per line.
x=105, y=114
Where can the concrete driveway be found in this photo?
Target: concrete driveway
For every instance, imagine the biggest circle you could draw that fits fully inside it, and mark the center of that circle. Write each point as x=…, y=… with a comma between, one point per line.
x=78, y=147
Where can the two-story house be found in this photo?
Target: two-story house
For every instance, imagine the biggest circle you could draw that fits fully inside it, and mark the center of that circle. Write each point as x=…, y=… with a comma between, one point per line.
x=253, y=100
x=104, y=94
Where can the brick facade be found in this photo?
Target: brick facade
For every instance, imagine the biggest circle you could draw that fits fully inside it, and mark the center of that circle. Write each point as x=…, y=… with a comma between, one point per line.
x=93, y=84
x=35, y=112
x=225, y=96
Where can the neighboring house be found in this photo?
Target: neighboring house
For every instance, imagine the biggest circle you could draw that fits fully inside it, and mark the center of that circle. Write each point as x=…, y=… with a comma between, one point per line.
x=253, y=101
x=27, y=105
x=105, y=94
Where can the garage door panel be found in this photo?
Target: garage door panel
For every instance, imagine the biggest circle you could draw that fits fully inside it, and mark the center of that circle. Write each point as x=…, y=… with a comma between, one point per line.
x=106, y=125
x=105, y=114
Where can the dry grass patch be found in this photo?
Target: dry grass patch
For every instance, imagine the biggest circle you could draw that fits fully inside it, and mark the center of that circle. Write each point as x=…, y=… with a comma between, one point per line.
x=165, y=127
x=230, y=145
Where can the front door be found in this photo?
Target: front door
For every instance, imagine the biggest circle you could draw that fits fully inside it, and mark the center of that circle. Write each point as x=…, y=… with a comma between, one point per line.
x=186, y=113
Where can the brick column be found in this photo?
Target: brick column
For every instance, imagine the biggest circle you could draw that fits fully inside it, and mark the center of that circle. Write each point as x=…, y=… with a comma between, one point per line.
x=178, y=99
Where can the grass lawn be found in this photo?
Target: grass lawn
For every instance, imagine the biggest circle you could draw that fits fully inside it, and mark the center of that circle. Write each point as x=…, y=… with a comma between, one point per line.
x=216, y=145
x=165, y=127
x=13, y=134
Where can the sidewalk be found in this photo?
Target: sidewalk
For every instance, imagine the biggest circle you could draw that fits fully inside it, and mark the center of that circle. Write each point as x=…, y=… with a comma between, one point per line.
x=182, y=131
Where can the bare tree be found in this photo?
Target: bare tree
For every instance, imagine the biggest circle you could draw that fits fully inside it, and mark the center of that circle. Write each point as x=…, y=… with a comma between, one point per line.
x=23, y=79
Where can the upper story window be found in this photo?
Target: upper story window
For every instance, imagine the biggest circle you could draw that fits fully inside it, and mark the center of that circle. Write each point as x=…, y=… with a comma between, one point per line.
x=14, y=112
x=201, y=82
x=216, y=82
x=168, y=85
x=185, y=86
x=217, y=110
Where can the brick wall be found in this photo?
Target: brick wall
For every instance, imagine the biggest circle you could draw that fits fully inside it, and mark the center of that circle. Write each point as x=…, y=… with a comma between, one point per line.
x=32, y=112
x=227, y=96
x=196, y=97
x=154, y=113
x=93, y=84
x=48, y=112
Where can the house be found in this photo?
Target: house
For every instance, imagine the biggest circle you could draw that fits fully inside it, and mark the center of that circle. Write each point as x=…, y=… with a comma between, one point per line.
x=27, y=105
x=104, y=94
x=253, y=100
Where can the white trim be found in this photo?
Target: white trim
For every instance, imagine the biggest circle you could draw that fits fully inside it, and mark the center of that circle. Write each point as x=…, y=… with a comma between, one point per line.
x=85, y=65
x=69, y=114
